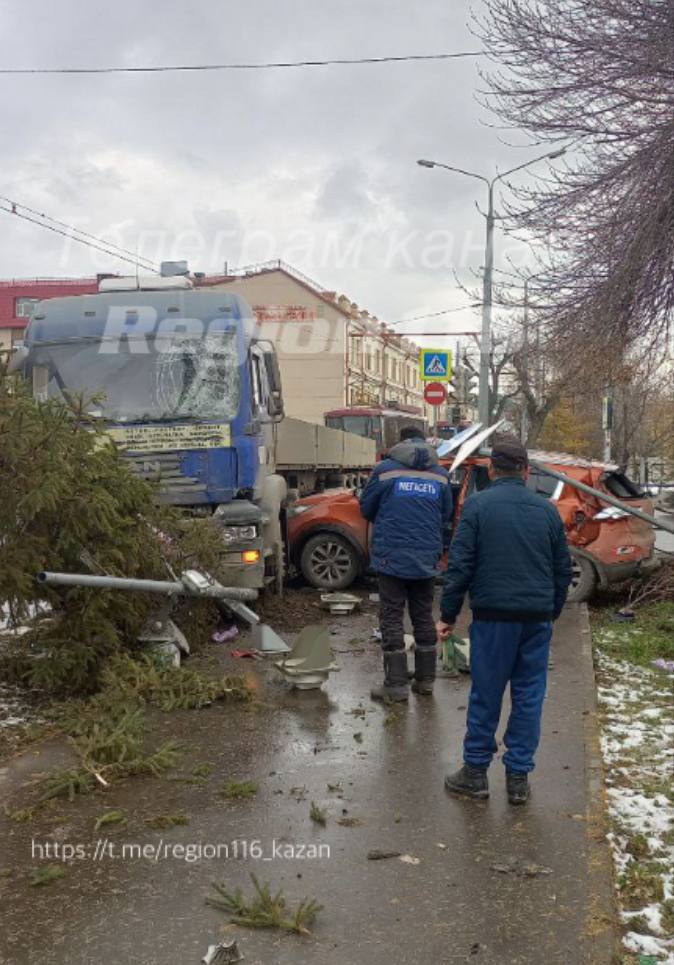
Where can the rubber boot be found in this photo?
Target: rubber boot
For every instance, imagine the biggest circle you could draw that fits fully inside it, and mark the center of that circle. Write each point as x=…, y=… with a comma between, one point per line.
x=470, y=781
x=395, y=677
x=425, y=661
x=517, y=786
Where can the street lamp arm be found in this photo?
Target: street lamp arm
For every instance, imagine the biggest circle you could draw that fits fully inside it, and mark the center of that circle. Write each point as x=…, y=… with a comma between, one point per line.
x=468, y=174
x=543, y=157
x=448, y=167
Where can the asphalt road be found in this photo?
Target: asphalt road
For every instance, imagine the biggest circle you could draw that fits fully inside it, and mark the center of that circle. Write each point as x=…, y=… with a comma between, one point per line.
x=462, y=899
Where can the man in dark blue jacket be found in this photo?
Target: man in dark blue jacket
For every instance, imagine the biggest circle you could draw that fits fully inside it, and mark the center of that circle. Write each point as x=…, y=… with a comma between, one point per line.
x=409, y=500
x=510, y=554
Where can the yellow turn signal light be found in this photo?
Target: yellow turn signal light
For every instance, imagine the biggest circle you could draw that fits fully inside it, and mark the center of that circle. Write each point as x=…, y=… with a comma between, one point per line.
x=251, y=556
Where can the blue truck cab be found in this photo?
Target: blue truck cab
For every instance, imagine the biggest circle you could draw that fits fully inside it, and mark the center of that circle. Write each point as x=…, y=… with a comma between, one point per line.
x=185, y=389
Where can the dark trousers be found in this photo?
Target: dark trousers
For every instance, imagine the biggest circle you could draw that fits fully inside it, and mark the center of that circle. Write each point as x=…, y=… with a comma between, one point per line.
x=394, y=593
x=501, y=652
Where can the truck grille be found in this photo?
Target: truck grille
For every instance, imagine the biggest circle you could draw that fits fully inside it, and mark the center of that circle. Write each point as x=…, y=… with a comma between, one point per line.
x=163, y=468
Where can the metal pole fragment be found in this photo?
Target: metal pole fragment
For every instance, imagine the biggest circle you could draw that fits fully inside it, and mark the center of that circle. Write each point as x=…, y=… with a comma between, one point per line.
x=213, y=590
x=112, y=583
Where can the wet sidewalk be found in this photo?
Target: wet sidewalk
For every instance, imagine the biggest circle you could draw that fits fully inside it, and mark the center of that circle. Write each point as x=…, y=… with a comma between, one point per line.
x=465, y=898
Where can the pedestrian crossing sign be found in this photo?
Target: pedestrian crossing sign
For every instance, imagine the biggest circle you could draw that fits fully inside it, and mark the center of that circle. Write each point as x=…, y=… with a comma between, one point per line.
x=435, y=364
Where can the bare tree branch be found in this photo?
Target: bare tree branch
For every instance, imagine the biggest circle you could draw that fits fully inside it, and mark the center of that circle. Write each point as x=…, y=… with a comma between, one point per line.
x=602, y=225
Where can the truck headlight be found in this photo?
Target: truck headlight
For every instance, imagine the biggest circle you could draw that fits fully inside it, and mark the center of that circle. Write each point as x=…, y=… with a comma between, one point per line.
x=238, y=534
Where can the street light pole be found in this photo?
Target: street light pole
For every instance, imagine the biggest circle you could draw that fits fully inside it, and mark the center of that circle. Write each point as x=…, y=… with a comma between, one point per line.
x=524, y=427
x=488, y=276
x=487, y=301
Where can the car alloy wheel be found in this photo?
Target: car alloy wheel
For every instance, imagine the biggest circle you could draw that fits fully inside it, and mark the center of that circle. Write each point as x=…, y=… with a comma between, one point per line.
x=576, y=574
x=583, y=579
x=329, y=562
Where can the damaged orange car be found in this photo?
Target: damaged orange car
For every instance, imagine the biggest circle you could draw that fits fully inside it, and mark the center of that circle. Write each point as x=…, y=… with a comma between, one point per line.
x=328, y=538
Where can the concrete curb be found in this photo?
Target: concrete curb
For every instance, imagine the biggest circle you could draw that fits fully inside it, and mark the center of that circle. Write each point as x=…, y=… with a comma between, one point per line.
x=601, y=930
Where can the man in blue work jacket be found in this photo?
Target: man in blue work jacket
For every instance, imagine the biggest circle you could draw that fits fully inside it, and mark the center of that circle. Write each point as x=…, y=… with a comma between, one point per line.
x=409, y=500
x=510, y=554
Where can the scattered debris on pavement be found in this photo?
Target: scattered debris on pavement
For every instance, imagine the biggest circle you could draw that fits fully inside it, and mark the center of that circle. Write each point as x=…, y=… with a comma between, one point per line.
x=46, y=874
x=238, y=790
x=264, y=909
x=224, y=636
x=340, y=603
x=267, y=641
x=409, y=859
x=521, y=869
x=224, y=954
x=376, y=855
x=109, y=817
x=318, y=815
x=309, y=663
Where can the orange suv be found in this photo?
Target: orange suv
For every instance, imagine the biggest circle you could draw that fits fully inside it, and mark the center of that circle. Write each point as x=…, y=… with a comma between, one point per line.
x=328, y=538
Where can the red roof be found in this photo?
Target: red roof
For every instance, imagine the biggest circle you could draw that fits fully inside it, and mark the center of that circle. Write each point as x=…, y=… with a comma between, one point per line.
x=11, y=289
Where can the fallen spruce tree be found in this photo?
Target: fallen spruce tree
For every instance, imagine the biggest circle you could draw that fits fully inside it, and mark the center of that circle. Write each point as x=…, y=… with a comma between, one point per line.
x=69, y=503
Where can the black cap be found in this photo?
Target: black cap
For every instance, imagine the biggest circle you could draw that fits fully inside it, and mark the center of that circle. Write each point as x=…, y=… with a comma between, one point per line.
x=411, y=432
x=509, y=455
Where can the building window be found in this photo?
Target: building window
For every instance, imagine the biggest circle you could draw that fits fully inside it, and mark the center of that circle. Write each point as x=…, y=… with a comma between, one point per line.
x=23, y=307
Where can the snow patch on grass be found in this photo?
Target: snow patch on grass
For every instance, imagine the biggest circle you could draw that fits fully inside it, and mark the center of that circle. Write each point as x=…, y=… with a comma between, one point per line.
x=636, y=706
x=13, y=710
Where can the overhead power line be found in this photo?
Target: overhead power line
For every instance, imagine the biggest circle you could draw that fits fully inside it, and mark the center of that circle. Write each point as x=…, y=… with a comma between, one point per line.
x=445, y=311
x=271, y=65
x=41, y=216
x=75, y=234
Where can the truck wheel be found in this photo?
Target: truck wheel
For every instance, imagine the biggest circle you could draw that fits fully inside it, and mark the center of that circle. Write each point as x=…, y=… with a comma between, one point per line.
x=583, y=579
x=329, y=562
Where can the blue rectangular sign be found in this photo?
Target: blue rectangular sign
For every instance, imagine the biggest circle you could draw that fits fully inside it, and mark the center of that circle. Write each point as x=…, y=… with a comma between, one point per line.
x=435, y=364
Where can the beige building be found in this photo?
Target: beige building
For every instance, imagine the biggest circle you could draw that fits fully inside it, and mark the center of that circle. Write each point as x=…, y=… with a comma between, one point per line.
x=331, y=352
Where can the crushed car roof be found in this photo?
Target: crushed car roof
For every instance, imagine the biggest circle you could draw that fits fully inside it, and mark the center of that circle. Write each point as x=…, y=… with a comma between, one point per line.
x=567, y=459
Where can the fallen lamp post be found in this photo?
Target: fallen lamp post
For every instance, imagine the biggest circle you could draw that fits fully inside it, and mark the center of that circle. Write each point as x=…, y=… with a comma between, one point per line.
x=160, y=633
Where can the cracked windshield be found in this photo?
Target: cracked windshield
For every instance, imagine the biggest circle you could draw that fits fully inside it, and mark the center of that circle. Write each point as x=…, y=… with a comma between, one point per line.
x=189, y=378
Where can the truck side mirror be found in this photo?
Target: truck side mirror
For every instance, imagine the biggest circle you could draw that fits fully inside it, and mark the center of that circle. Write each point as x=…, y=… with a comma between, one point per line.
x=273, y=370
x=17, y=358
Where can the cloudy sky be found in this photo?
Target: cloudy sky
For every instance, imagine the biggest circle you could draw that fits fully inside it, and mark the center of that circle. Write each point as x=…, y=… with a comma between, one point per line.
x=314, y=166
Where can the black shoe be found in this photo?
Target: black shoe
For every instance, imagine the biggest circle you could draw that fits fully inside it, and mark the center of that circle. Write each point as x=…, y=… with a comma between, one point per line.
x=395, y=686
x=517, y=786
x=425, y=661
x=423, y=687
x=471, y=781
